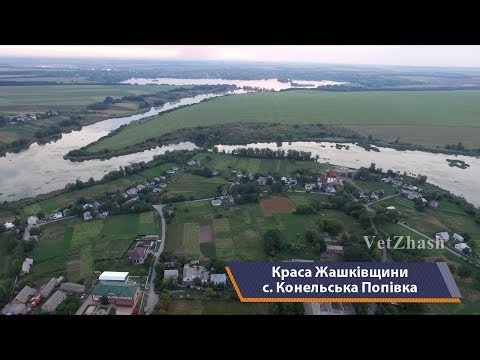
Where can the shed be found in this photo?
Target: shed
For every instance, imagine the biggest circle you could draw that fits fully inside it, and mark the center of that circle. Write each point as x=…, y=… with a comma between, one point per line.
x=113, y=276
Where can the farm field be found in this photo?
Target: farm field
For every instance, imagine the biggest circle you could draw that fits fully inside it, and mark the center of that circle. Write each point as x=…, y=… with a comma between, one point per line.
x=63, y=200
x=33, y=99
x=193, y=186
x=447, y=217
x=444, y=111
x=71, y=247
x=237, y=232
x=226, y=163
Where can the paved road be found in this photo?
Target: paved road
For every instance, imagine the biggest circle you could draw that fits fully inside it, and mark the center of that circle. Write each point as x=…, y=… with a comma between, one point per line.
x=152, y=299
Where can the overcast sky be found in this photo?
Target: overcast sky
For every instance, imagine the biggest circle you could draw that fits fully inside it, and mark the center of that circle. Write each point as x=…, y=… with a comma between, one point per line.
x=418, y=55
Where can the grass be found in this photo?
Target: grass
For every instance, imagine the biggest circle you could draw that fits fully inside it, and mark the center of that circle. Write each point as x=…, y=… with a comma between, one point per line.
x=33, y=99
x=191, y=233
x=85, y=242
x=217, y=307
x=193, y=186
x=226, y=163
x=368, y=186
x=447, y=217
x=444, y=110
x=237, y=234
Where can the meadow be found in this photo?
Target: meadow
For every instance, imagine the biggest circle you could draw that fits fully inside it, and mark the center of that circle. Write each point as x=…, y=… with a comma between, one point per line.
x=451, y=114
x=71, y=247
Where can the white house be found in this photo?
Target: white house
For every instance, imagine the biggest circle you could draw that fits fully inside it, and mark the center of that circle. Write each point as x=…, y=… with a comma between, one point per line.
x=309, y=186
x=9, y=225
x=390, y=207
x=87, y=216
x=141, y=187
x=218, y=279
x=32, y=220
x=462, y=246
x=26, y=265
x=284, y=179
x=113, y=276
x=192, y=162
x=170, y=274
x=216, y=202
x=458, y=238
x=443, y=236
x=132, y=192
x=57, y=215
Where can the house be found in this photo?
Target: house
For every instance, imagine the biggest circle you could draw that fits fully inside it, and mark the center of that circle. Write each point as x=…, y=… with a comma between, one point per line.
x=331, y=177
x=87, y=206
x=227, y=200
x=330, y=190
x=462, y=246
x=293, y=182
x=9, y=225
x=216, y=202
x=87, y=216
x=47, y=289
x=457, y=237
x=137, y=254
x=442, y=236
x=56, y=216
x=156, y=179
x=309, y=186
x=118, y=293
x=162, y=177
x=386, y=180
x=72, y=287
x=175, y=168
x=170, y=274
x=433, y=204
x=103, y=215
x=262, y=181
x=239, y=175
x=56, y=299
x=322, y=179
x=424, y=200
x=215, y=172
x=24, y=295
x=171, y=171
x=113, y=276
x=218, y=279
x=162, y=185
x=192, y=271
x=410, y=187
x=32, y=220
x=374, y=196
x=14, y=309
x=192, y=162
x=141, y=187
x=284, y=179
x=132, y=192
x=96, y=205
x=26, y=265
x=157, y=190
x=390, y=208
x=334, y=249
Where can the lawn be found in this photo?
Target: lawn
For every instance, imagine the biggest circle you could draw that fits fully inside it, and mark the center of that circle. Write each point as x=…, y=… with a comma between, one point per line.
x=445, y=111
x=72, y=246
x=217, y=307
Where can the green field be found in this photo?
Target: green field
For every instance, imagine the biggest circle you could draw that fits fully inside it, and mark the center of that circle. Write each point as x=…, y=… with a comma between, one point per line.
x=226, y=163
x=368, y=186
x=33, y=99
x=237, y=234
x=71, y=247
x=217, y=307
x=453, y=114
x=198, y=187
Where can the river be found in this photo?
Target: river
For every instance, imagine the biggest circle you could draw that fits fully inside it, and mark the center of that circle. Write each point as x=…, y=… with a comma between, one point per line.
x=463, y=182
x=267, y=84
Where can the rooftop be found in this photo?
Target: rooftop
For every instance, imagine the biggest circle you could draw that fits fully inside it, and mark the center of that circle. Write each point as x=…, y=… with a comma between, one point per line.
x=115, y=289
x=113, y=276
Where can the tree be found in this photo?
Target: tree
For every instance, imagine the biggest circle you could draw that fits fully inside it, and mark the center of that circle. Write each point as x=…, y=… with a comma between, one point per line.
x=276, y=188
x=209, y=292
x=464, y=271
x=356, y=253
x=104, y=300
x=273, y=242
x=164, y=301
x=287, y=309
x=372, y=167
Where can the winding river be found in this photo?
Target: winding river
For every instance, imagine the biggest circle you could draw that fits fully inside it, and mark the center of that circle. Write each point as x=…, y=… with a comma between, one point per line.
x=41, y=168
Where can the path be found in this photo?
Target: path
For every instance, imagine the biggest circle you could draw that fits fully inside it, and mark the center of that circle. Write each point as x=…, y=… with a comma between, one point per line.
x=152, y=299
x=191, y=201
x=26, y=232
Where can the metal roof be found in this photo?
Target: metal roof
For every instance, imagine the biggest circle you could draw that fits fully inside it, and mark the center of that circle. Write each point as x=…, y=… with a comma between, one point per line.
x=113, y=276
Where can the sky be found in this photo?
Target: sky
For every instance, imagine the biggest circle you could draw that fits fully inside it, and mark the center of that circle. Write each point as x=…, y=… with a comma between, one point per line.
x=409, y=55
